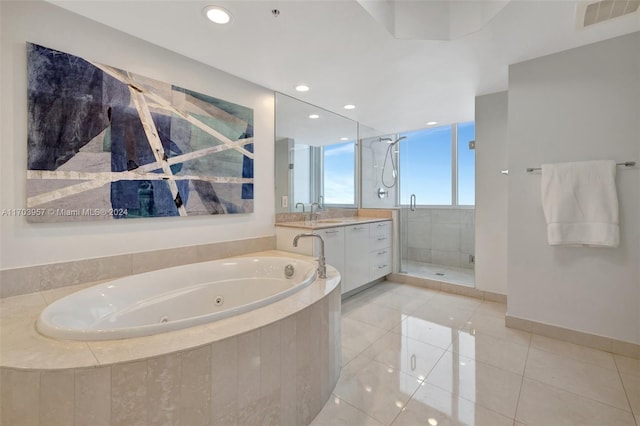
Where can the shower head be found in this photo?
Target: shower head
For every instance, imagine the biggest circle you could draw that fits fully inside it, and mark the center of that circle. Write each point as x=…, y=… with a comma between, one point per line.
x=387, y=140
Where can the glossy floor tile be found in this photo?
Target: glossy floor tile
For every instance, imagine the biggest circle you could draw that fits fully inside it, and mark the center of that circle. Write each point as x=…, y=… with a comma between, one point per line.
x=414, y=356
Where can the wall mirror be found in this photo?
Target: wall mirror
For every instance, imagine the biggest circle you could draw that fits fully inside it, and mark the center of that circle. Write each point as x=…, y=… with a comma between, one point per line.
x=315, y=157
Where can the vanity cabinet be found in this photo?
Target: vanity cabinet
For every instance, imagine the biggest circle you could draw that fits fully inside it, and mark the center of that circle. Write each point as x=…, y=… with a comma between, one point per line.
x=380, y=256
x=333, y=247
x=360, y=252
x=356, y=247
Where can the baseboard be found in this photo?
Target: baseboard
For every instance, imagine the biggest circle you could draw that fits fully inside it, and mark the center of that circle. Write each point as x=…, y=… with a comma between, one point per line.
x=594, y=341
x=447, y=287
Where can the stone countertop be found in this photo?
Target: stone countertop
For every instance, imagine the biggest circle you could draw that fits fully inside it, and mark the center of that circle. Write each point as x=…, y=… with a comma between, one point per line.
x=22, y=347
x=332, y=222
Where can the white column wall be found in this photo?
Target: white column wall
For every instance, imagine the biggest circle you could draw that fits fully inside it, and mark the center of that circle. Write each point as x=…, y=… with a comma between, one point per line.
x=581, y=104
x=491, y=193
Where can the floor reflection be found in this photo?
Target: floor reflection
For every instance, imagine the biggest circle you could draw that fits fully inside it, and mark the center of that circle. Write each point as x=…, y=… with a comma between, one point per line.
x=414, y=356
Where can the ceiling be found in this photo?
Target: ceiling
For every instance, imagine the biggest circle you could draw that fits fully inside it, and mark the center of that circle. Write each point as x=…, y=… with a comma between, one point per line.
x=402, y=63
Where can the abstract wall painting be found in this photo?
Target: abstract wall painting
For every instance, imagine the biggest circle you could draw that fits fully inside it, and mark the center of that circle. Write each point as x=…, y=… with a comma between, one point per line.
x=106, y=144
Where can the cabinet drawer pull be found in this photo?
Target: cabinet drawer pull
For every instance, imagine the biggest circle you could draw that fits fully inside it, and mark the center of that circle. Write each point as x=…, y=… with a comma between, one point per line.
x=382, y=267
x=382, y=224
x=382, y=252
x=331, y=232
x=382, y=238
x=357, y=228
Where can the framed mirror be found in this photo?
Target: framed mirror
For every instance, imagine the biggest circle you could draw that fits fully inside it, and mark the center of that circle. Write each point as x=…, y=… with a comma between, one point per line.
x=315, y=157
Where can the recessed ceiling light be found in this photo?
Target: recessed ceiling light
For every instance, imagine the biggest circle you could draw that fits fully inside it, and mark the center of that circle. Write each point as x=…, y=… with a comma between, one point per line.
x=217, y=14
x=431, y=123
x=349, y=106
x=344, y=139
x=314, y=116
x=302, y=88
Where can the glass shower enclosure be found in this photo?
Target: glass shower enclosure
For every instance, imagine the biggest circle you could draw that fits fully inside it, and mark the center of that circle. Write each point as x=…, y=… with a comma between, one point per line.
x=436, y=199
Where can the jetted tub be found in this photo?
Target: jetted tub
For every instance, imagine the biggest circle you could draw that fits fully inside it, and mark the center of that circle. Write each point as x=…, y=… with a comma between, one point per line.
x=174, y=298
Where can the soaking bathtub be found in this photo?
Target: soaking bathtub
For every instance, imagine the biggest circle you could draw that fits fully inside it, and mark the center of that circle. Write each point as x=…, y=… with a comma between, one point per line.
x=174, y=298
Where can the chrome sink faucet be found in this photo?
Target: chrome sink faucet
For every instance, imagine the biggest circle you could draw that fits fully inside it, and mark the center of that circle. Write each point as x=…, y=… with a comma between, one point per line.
x=322, y=263
x=304, y=216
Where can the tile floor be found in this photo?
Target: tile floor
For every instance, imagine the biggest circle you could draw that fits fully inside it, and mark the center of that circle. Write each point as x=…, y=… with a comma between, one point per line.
x=414, y=356
x=448, y=274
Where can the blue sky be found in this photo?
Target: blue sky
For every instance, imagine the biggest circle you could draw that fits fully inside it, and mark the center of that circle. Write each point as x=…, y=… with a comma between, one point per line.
x=425, y=165
x=339, y=173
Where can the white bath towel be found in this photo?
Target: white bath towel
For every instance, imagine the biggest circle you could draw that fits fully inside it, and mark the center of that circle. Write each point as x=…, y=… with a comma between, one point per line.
x=580, y=203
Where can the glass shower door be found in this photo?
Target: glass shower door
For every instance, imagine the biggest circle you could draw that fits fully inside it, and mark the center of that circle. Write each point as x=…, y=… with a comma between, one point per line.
x=425, y=184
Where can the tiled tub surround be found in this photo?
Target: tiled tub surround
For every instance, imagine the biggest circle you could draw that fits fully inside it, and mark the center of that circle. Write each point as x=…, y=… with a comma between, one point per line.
x=277, y=364
x=56, y=275
x=443, y=236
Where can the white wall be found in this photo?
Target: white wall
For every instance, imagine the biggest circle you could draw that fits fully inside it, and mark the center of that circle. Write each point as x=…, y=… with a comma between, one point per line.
x=582, y=104
x=491, y=193
x=24, y=244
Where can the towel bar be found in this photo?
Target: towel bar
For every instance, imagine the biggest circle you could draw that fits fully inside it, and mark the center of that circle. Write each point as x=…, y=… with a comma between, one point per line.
x=626, y=164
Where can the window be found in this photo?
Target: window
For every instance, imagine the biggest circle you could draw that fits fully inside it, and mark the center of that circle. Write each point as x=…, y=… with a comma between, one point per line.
x=437, y=166
x=338, y=177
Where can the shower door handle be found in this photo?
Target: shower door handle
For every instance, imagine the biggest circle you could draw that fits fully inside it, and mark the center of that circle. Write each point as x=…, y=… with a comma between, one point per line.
x=412, y=202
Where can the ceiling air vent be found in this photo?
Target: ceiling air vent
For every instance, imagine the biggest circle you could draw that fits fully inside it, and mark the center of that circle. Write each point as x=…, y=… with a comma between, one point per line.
x=593, y=13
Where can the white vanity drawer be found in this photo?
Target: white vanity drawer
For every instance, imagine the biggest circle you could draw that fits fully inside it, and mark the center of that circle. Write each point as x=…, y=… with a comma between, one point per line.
x=379, y=242
x=381, y=228
x=379, y=263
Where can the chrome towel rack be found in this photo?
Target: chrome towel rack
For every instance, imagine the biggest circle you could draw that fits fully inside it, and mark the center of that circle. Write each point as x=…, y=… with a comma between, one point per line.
x=625, y=164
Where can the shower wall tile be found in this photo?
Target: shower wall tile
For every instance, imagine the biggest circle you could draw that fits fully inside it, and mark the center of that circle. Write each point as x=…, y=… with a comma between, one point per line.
x=443, y=257
x=420, y=235
x=93, y=396
x=129, y=393
x=419, y=255
x=468, y=216
x=445, y=236
x=57, y=391
x=195, y=369
x=419, y=214
x=467, y=238
x=439, y=216
x=163, y=390
x=432, y=234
